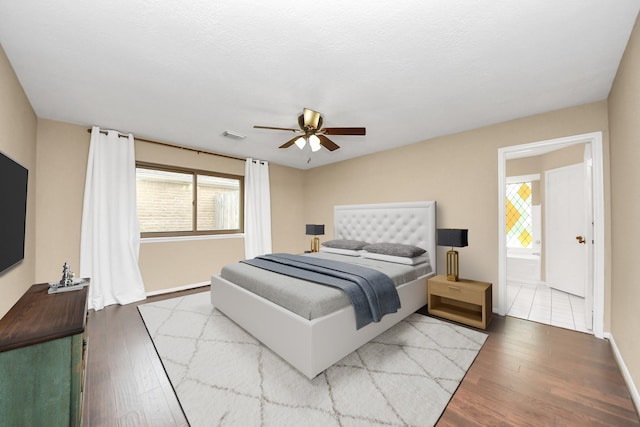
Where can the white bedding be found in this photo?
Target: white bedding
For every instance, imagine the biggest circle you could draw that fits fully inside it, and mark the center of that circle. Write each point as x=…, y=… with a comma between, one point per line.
x=312, y=300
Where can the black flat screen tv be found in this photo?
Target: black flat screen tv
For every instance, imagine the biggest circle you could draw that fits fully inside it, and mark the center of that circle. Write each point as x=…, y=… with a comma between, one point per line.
x=13, y=211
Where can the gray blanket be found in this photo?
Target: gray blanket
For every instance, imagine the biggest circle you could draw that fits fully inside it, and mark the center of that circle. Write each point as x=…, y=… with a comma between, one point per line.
x=372, y=294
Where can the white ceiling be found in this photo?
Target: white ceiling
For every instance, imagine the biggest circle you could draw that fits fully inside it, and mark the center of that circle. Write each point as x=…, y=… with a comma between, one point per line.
x=186, y=71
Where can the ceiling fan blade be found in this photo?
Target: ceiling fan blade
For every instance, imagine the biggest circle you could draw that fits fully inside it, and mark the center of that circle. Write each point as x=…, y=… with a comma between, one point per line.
x=327, y=143
x=275, y=128
x=289, y=143
x=345, y=131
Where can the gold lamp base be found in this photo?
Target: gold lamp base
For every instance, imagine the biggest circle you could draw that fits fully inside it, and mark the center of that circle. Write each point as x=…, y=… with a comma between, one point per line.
x=315, y=244
x=452, y=265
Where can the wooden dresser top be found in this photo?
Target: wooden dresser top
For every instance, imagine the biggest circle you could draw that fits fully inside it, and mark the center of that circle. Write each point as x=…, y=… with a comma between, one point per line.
x=38, y=317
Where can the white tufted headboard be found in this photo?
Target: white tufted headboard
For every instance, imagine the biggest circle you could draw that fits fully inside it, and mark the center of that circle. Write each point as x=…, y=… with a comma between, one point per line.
x=412, y=223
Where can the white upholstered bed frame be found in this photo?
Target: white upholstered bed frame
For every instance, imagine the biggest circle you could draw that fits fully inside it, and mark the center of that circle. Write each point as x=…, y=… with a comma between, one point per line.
x=311, y=346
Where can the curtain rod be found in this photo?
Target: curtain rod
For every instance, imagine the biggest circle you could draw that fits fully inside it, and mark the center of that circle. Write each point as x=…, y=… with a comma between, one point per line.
x=122, y=135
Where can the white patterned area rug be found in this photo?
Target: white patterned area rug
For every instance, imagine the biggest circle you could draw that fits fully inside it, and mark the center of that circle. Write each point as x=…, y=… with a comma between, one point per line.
x=225, y=377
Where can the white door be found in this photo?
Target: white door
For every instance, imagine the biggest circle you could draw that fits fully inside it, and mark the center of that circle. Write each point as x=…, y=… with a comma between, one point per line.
x=566, y=229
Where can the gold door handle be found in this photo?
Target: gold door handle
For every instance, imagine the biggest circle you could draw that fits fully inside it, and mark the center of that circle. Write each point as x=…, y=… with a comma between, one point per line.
x=580, y=239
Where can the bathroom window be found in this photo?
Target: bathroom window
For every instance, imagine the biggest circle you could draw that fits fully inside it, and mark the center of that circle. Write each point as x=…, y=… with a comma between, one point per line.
x=519, y=215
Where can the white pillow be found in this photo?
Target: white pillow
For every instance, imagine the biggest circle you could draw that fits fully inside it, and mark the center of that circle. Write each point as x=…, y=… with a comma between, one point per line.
x=349, y=252
x=397, y=259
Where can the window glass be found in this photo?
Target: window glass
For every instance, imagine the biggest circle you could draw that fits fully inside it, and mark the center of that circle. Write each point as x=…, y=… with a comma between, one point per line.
x=218, y=203
x=519, y=211
x=176, y=202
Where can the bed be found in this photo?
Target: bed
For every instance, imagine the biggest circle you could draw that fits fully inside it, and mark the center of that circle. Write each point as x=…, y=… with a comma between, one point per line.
x=313, y=344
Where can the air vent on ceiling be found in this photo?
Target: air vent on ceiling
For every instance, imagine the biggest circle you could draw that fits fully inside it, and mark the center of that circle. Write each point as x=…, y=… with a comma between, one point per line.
x=232, y=134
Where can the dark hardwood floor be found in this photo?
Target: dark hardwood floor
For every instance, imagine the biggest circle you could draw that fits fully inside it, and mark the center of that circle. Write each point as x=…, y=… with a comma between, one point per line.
x=530, y=374
x=527, y=374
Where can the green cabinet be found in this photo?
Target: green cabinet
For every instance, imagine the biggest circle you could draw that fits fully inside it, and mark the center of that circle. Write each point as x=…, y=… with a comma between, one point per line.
x=42, y=358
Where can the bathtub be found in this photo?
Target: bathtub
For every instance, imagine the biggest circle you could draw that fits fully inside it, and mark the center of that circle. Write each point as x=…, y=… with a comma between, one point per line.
x=523, y=267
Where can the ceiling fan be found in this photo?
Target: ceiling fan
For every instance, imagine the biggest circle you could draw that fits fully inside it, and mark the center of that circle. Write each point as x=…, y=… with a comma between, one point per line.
x=311, y=131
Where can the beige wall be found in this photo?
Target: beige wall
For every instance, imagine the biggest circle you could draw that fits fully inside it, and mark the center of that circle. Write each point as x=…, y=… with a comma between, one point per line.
x=624, y=112
x=63, y=149
x=62, y=164
x=18, y=141
x=287, y=209
x=539, y=164
x=459, y=171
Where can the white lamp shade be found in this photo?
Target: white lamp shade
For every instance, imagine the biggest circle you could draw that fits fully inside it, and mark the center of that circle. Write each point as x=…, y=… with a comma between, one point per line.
x=314, y=143
x=300, y=142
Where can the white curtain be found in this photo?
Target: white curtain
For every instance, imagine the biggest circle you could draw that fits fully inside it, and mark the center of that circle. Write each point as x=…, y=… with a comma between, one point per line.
x=110, y=236
x=257, y=209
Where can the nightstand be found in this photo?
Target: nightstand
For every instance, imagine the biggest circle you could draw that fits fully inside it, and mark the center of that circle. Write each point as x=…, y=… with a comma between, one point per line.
x=465, y=301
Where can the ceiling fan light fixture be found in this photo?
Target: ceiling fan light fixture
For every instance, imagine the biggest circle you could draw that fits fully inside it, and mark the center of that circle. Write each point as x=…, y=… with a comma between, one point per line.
x=314, y=143
x=311, y=130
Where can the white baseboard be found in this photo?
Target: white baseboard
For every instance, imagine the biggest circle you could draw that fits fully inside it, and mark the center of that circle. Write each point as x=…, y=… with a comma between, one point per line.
x=633, y=390
x=179, y=288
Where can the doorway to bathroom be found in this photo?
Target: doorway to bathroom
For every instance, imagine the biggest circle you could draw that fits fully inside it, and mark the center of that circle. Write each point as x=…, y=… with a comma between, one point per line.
x=536, y=273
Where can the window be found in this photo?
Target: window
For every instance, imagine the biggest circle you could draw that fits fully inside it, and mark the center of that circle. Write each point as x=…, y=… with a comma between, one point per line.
x=176, y=201
x=519, y=213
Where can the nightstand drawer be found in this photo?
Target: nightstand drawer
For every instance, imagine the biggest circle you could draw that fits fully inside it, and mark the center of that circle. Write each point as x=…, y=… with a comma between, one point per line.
x=458, y=291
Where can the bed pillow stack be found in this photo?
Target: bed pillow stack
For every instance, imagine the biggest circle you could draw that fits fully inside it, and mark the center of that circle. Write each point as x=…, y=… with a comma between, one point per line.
x=390, y=252
x=343, y=247
x=396, y=252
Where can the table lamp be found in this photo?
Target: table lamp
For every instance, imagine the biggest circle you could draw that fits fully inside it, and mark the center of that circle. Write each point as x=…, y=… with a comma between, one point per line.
x=453, y=237
x=315, y=230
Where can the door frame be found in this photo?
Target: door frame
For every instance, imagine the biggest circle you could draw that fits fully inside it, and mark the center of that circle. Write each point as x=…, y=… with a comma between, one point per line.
x=536, y=149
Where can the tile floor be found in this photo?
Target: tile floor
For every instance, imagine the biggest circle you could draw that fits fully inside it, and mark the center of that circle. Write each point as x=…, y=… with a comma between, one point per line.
x=546, y=305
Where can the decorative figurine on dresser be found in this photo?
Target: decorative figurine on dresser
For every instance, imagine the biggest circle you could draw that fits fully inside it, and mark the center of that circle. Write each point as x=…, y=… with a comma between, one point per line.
x=67, y=275
x=67, y=283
